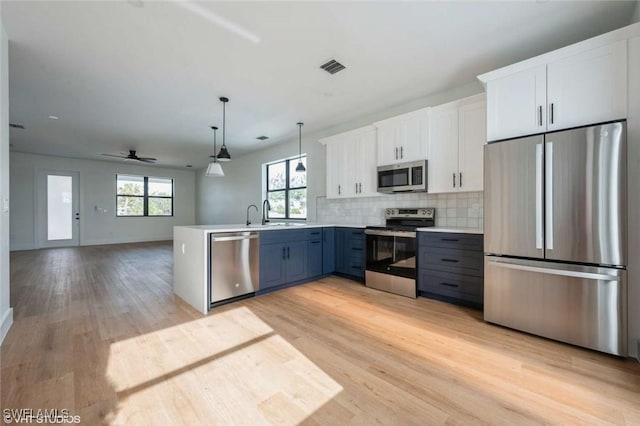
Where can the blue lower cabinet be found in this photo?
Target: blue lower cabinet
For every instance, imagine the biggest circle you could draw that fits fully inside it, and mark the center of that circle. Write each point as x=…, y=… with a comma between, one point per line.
x=272, y=265
x=315, y=256
x=283, y=262
x=296, y=263
x=328, y=250
x=350, y=253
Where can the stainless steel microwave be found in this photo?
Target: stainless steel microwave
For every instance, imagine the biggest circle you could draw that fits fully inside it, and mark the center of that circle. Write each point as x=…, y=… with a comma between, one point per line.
x=403, y=177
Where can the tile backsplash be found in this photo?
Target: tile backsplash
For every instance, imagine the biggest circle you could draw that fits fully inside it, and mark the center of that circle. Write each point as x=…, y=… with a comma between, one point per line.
x=453, y=210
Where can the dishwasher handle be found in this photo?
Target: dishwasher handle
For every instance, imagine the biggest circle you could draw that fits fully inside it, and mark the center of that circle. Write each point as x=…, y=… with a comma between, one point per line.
x=234, y=238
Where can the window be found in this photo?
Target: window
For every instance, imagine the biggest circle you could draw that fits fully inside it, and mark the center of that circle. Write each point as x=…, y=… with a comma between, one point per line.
x=144, y=196
x=287, y=189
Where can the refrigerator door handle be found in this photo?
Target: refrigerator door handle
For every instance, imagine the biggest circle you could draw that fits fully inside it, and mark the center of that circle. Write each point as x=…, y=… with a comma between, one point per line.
x=548, y=170
x=539, y=156
x=550, y=271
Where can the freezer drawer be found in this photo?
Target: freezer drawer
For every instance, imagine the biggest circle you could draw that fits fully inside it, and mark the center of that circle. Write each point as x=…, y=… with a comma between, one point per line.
x=581, y=305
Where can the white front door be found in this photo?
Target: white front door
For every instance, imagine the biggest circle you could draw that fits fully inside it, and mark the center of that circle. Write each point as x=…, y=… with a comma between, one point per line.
x=58, y=219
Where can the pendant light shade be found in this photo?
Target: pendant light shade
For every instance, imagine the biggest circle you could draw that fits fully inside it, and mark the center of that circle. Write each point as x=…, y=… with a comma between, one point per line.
x=300, y=167
x=214, y=169
x=224, y=155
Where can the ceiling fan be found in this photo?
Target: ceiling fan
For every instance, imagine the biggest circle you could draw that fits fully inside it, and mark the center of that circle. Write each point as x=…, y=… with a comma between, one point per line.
x=132, y=156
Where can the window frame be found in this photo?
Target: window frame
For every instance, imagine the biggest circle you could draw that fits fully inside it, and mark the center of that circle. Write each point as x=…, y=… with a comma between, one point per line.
x=145, y=196
x=286, y=188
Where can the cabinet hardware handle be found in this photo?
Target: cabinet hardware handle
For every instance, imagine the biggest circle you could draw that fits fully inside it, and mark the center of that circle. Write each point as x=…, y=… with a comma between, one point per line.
x=339, y=190
x=551, y=112
x=453, y=240
x=396, y=153
x=401, y=152
x=356, y=267
x=288, y=253
x=284, y=254
x=450, y=260
x=356, y=187
x=460, y=180
x=539, y=115
x=449, y=284
x=356, y=248
x=315, y=242
x=454, y=180
x=356, y=233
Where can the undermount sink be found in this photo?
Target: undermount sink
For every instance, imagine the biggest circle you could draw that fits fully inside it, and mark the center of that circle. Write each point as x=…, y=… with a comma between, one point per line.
x=286, y=224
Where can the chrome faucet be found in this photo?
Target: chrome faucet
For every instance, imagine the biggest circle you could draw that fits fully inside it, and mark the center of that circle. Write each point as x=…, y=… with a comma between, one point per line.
x=265, y=215
x=255, y=207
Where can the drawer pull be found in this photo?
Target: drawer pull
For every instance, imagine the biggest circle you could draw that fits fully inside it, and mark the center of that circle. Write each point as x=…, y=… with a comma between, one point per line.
x=356, y=267
x=453, y=240
x=356, y=248
x=450, y=260
x=315, y=242
x=449, y=285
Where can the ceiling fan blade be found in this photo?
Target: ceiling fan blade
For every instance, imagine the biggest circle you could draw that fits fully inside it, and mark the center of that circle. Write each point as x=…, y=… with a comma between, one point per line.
x=146, y=160
x=111, y=155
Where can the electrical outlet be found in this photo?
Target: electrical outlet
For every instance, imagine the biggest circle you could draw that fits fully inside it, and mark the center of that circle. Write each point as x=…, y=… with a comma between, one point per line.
x=5, y=205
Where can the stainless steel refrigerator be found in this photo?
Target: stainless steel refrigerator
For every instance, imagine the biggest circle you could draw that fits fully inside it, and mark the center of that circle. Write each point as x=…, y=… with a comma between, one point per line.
x=556, y=235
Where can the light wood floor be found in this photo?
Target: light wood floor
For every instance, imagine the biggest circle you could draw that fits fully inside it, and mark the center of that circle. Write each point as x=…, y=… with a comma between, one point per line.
x=99, y=332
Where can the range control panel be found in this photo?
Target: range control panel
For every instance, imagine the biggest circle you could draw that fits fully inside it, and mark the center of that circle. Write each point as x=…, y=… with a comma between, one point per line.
x=417, y=213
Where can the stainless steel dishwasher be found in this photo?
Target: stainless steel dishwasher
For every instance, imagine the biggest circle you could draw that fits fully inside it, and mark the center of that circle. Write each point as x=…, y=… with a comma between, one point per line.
x=234, y=266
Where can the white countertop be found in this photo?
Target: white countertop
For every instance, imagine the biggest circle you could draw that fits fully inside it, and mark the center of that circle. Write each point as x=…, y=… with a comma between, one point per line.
x=453, y=230
x=274, y=226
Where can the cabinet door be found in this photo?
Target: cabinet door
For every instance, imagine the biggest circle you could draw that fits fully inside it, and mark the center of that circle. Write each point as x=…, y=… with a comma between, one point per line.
x=296, y=264
x=443, y=149
x=388, y=138
x=414, y=136
x=272, y=265
x=314, y=264
x=365, y=159
x=587, y=88
x=516, y=104
x=472, y=131
x=342, y=249
x=348, y=163
x=334, y=172
x=328, y=250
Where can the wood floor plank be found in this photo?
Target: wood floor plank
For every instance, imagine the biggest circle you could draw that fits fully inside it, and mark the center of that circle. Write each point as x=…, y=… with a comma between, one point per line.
x=98, y=331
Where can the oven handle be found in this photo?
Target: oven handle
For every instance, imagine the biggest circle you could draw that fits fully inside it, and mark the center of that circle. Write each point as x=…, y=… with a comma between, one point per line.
x=382, y=233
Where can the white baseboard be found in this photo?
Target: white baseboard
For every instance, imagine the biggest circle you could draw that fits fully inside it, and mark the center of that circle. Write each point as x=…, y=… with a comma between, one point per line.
x=5, y=325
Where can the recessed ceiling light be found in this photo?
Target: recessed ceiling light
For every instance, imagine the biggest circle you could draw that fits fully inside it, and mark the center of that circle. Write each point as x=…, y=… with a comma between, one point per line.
x=54, y=117
x=262, y=138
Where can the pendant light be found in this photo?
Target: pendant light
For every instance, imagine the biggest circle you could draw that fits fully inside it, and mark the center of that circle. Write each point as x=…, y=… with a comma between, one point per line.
x=223, y=155
x=214, y=169
x=300, y=166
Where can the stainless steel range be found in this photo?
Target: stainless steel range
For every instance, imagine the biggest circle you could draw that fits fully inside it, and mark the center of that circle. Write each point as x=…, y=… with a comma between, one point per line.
x=391, y=250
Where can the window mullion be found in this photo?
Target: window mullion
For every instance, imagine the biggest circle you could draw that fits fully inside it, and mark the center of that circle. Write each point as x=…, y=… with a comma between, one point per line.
x=145, y=203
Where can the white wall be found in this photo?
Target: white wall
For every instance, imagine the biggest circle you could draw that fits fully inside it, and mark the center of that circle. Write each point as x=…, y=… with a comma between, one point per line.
x=225, y=200
x=6, y=313
x=97, y=189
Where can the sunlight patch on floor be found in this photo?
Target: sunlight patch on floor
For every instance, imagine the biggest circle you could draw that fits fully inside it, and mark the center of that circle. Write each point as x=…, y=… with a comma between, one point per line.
x=226, y=368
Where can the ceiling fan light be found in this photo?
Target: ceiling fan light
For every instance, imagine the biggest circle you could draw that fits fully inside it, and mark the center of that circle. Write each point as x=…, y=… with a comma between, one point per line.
x=300, y=167
x=214, y=170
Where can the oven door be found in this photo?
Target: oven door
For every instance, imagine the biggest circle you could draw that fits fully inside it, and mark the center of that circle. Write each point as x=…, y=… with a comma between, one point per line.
x=391, y=253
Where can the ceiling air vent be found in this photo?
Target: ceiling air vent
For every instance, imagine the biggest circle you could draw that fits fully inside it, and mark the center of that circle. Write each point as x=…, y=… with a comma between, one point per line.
x=16, y=126
x=262, y=138
x=332, y=66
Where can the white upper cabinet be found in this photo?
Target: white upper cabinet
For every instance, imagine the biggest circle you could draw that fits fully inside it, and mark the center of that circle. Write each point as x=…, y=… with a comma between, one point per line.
x=351, y=163
x=586, y=88
x=457, y=134
x=515, y=104
x=403, y=138
x=581, y=89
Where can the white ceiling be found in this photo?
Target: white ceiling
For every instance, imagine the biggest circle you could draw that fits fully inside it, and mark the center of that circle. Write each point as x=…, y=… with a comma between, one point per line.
x=147, y=75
